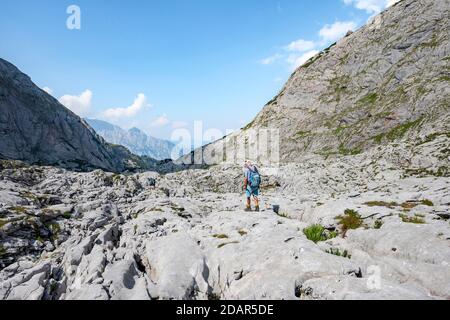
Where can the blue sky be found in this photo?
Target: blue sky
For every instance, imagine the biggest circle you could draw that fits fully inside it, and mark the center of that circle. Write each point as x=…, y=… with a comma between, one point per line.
x=162, y=64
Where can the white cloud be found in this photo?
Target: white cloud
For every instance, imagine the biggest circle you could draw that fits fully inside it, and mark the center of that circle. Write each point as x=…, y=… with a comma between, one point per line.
x=48, y=90
x=78, y=104
x=335, y=31
x=371, y=6
x=139, y=103
x=270, y=60
x=296, y=61
x=301, y=45
x=160, y=121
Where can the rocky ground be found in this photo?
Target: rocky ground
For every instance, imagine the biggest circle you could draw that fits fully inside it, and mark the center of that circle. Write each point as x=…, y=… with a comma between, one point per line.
x=371, y=226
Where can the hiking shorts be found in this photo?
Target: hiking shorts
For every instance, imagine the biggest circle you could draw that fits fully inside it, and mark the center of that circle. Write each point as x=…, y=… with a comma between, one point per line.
x=252, y=192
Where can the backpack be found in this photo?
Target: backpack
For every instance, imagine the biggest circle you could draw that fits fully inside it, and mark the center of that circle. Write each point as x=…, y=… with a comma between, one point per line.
x=255, y=178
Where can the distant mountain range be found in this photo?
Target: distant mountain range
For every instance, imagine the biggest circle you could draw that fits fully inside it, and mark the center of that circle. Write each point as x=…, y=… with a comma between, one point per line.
x=134, y=139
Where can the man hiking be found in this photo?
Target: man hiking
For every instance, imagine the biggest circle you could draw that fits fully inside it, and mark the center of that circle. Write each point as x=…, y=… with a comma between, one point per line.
x=252, y=182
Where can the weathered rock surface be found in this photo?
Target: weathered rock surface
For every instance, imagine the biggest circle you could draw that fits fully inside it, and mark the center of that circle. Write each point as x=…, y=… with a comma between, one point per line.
x=97, y=235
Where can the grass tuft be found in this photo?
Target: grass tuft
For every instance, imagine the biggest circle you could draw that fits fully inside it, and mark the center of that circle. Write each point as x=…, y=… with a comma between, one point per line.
x=242, y=232
x=220, y=236
x=427, y=203
x=416, y=219
x=339, y=253
x=317, y=233
x=350, y=220
x=389, y=205
x=226, y=243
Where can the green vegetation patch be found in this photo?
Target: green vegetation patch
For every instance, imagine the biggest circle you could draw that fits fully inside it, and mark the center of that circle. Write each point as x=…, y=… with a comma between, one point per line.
x=67, y=215
x=317, y=233
x=250, y=125
x=423, y=172
x=339, y=253
x=417, y=219
x=349, y=152
x=3, y=222
x=242, y=232
x=2, y=251
x=398, y=132
x=427, y=202
x=302, y=134
x=220, y=236
x=227, y=243
x=378, y=224
x=284, y=215
x=434, y=136
x=369, y=99
x=18, y=209
x=389, y=205
x=350, y=220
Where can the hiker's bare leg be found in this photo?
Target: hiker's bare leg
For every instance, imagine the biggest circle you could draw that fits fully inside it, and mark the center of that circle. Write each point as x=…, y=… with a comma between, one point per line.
x=249, y=204
x=256, y=203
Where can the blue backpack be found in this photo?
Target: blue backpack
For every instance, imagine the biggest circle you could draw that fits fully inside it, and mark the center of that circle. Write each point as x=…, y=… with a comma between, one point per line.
x=255, y=178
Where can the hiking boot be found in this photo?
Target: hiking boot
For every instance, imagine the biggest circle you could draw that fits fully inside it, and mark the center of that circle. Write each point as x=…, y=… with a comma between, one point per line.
x=248, y=209
x=257, y=209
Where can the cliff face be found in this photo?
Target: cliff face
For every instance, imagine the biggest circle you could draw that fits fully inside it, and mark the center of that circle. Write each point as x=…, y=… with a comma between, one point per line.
x=134, y=139
x=36, y=128
x=386, y=82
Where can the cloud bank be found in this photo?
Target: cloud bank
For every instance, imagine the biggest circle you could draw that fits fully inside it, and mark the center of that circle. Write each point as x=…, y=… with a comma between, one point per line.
x=78, y=104
x=371, y=6
x=116, y=113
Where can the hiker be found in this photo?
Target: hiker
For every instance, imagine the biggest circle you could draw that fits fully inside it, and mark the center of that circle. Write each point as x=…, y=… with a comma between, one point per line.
x=252, y=182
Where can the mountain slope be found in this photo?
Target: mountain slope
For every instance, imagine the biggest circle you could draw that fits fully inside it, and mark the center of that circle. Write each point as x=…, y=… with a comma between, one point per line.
x=134, y=139
x=386, y=82
x=36, y=128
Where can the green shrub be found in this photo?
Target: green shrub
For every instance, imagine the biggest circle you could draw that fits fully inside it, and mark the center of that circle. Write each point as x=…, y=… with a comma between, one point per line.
x=67, y=215
x=350, y=220
x=242, y=232
x=283, y=215
x=339, y=253
x=378, y=224
x=317, y=233
x=427, y=203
